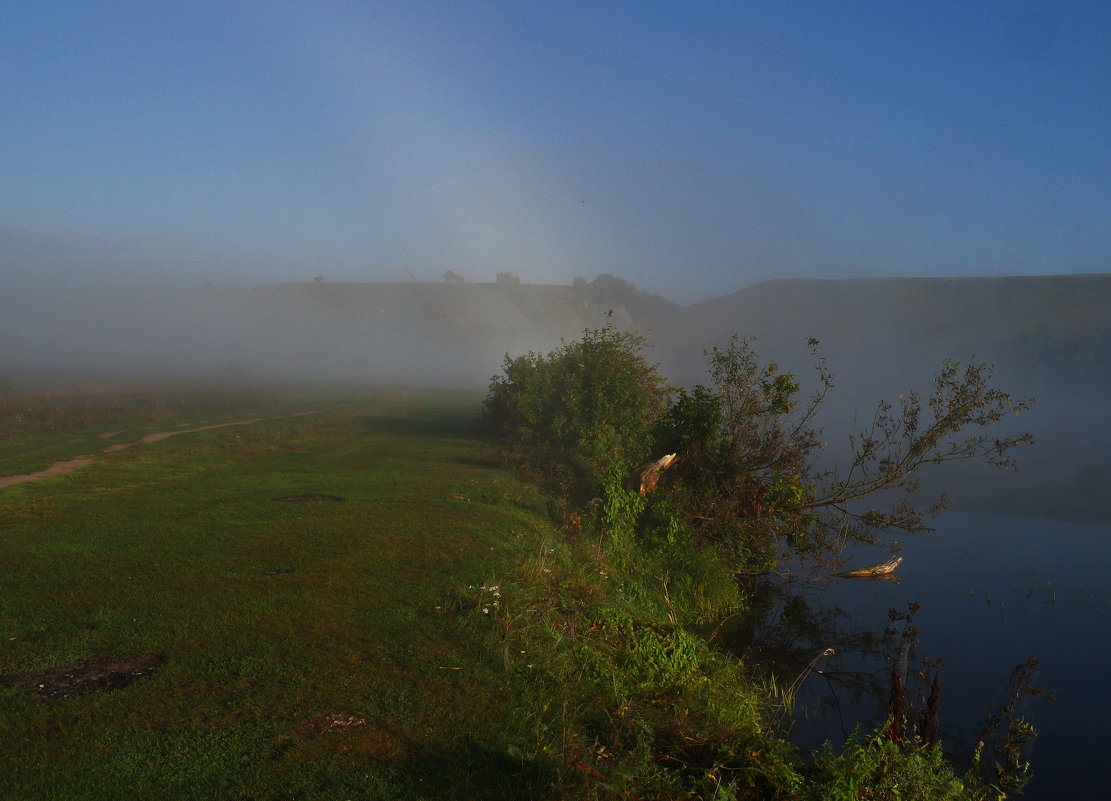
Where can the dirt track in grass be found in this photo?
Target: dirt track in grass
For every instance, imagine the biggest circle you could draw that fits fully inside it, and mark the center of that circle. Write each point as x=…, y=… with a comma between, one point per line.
x=76, y=463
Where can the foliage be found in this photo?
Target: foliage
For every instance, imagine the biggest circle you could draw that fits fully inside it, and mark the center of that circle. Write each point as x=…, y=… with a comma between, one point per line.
x=580, y=414
x=623, y=699
x=878, y=769
x=999, y=761
x=628, y=702
x=749, y=478
x=743, y=462
x=955, y=425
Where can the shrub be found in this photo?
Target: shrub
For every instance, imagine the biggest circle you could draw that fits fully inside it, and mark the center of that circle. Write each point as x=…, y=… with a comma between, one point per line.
x=748, y=480
x=580, y=414
x=880, y=770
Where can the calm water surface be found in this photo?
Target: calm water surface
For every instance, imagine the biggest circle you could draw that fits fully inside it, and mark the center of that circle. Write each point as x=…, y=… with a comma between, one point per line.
x=993, y=591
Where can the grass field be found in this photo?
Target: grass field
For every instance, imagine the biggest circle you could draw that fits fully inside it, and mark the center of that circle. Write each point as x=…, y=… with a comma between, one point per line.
x=307, y=648
x=309, y=594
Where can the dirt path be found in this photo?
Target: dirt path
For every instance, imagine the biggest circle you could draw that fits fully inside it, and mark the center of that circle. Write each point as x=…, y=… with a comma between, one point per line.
x=76, y=463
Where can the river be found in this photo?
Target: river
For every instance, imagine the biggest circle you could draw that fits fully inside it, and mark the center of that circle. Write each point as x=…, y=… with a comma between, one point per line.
x=992, y=592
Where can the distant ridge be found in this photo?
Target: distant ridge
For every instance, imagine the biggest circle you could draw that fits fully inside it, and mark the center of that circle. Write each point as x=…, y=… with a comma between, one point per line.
x=1046, y=328
x=1040, y=329
x=443, y=333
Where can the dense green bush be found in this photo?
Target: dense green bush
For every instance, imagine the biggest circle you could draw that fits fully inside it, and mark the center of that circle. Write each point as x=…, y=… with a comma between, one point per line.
x=747, y=481
x=740, y=482
x=580, y=414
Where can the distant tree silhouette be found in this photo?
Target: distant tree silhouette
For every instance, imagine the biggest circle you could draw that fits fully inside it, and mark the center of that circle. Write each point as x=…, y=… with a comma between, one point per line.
x=609, y=290
x=453, y=277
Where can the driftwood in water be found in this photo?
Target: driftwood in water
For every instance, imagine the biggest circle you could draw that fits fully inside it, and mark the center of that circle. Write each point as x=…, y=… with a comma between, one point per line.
x=645, y=477
x=874, y=571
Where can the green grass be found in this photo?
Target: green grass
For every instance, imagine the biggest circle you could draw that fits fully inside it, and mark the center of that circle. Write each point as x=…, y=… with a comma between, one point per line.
x=359, y=648
x=274, y=619
x=38, y=429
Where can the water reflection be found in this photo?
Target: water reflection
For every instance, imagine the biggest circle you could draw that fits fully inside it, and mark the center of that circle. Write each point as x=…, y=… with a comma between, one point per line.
x=838, y=667
x=994, y=592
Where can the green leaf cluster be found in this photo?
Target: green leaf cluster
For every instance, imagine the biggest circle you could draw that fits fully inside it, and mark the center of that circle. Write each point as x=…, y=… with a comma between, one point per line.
x=878, y=769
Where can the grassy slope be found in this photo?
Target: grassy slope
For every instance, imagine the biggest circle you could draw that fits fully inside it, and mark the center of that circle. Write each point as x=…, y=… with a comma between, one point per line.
x=163, y=549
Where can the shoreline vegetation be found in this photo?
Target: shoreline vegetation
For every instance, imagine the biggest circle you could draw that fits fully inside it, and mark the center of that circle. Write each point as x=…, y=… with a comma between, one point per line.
x=438, y=629
x=637, y=703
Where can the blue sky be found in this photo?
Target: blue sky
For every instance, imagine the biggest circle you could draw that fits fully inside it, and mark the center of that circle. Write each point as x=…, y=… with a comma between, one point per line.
x=693, y=148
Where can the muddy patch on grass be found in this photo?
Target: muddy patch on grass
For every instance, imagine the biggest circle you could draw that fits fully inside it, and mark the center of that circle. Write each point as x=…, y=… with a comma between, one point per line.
x=308, y=498
x=96, y=675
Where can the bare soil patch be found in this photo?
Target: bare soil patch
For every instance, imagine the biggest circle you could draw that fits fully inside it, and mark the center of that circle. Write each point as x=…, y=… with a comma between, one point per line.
x=99, y=674
x=56, y=469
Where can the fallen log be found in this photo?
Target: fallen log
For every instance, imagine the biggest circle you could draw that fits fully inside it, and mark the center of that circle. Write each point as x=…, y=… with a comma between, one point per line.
x=874, y=571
